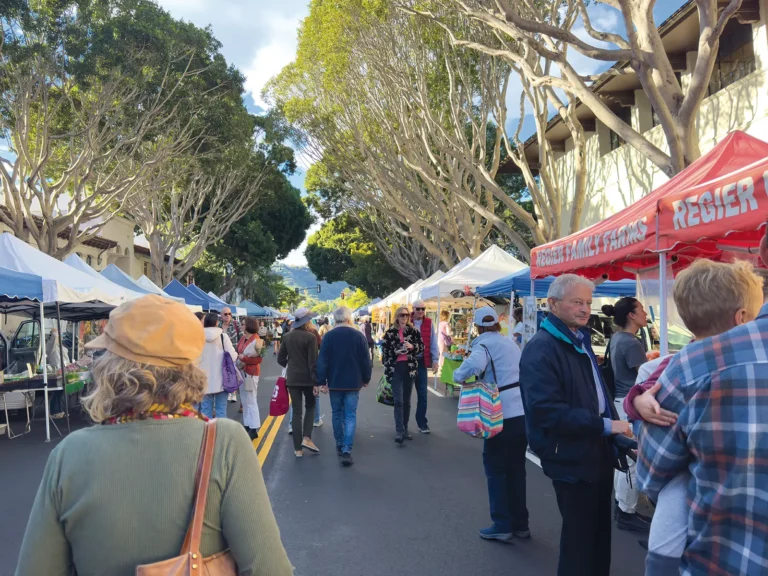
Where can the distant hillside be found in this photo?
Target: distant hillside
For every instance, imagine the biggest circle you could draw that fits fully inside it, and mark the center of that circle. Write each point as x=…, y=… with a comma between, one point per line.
x=303, y=278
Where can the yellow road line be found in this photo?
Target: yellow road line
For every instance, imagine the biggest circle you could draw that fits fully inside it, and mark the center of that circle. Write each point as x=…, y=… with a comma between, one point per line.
x=264, y=431
x=270, y=439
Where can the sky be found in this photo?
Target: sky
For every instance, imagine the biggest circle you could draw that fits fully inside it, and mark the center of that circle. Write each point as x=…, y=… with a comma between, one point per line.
x=259, y=37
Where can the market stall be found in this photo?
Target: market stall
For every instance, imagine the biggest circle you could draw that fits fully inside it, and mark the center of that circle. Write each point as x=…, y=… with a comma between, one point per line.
x=116, y=275
x=253, y=309
x=713, y=209
x=236, y=310
x=176, y=288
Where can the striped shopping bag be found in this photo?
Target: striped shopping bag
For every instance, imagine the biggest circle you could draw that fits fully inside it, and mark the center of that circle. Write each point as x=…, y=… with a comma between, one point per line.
x=480, y=413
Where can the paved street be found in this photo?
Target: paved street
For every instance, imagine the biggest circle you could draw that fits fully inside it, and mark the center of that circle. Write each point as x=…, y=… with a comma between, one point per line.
x=412, y=511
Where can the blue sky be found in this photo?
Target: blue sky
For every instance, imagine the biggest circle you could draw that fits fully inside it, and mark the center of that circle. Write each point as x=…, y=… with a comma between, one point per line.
x=259, y=37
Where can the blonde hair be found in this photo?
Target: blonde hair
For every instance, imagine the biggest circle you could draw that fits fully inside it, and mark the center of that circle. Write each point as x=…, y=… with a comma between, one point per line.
x=708, y=294
x=403, y=309
x=123, y=385
x=445, y=314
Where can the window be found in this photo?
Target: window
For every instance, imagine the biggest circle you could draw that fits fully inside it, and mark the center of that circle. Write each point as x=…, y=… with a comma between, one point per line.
x=27, y=336
x=735, y=56
x=88, y=260
x=146, y=269
x=624, y=114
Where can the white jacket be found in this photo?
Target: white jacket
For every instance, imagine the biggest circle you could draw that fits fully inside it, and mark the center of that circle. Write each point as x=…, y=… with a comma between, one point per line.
x=213, y=355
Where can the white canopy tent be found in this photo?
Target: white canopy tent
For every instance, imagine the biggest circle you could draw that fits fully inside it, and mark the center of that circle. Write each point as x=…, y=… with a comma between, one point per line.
x=77, y=263
x=412, y=293
x=491, y=265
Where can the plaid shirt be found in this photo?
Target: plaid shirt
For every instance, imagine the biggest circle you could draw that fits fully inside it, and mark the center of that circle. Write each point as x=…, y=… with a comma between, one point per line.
x=719, y=388
x=233, y=331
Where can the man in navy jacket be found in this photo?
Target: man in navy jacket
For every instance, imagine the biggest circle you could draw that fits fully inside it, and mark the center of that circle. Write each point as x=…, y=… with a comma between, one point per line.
x=570, y=420
x=344, y=366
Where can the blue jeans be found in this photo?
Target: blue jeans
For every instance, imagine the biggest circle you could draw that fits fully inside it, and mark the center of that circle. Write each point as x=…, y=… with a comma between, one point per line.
x=421, y=395
x=344, y=406
x=504, y=461
x=219, y=401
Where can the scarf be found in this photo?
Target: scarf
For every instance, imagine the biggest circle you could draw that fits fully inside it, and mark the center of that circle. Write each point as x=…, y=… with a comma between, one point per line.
x=157, y=411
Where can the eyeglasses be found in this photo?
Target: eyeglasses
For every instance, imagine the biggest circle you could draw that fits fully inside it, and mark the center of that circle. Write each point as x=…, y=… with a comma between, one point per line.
x=419, y=309
x=226, y=314
x=403, y=315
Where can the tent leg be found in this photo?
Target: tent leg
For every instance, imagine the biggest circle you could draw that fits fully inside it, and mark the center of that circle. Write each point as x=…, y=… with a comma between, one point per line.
x=61, y=361
x=663, y=313
x=45, y=374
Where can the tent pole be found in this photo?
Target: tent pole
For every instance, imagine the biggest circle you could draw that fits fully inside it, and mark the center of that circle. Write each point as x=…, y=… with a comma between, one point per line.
x=435, y=377
x=45, y=374
x=511, y=316
x=663, y=327
x=61, y=361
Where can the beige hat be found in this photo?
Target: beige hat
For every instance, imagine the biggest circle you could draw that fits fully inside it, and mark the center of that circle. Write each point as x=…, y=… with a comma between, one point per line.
x=153, y=330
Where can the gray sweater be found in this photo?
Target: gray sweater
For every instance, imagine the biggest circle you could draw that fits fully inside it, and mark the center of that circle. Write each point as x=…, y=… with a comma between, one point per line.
x=114, y=497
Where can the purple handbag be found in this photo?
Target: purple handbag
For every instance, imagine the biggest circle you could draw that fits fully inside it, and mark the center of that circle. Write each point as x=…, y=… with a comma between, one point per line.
x=231, y=379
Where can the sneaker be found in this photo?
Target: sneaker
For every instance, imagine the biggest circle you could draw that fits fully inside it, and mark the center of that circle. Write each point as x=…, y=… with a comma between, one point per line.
x=407, y=435
x=632, y=522
x=346, y=459
x=58, y=415
x=425, y=430
x=399, y=439
x=232, y=397
x=339, y=451
x=493, y=533
x=298, y=453
x=309, y=445
x=522, y=534
x=318, y=423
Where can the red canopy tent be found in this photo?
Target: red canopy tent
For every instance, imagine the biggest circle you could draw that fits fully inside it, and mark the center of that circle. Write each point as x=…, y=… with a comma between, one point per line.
x=716, y=205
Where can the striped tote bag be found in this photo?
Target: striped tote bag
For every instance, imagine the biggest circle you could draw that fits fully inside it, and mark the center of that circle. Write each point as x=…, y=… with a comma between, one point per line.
x=480, y=414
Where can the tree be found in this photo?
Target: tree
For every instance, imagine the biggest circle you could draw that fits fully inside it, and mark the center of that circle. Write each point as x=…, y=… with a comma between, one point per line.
x=341, y=252
x=92, y=99
x=547, y=30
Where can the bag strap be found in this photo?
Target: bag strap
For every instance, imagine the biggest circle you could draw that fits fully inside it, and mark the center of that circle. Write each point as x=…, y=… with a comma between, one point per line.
x=202, y=478
x=493, y=368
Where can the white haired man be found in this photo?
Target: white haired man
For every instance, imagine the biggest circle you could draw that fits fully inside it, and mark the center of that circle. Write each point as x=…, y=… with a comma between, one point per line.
x=570, y=421
x=344, y=367
x=430, y=358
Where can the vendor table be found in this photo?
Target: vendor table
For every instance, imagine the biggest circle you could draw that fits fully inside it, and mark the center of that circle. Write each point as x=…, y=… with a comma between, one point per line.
x=29, y=386
x=446, y=374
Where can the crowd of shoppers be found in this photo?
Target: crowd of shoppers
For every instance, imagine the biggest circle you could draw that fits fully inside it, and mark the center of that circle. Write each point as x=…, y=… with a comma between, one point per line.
x=214, y=403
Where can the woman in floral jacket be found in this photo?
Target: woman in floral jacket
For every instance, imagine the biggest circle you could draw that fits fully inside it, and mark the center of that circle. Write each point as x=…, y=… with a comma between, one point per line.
x=400, y=346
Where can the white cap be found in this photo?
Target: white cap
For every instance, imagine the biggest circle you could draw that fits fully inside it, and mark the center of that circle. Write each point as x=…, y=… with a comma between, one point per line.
x=481, y=313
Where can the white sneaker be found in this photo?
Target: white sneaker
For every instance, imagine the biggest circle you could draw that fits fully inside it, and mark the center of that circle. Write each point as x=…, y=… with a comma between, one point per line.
x=318, y=423
x=232, y=397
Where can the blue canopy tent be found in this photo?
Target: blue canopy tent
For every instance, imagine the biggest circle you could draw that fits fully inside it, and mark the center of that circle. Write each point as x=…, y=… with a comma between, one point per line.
x=114, y=274
x=253, y=309
x=213, y=304
x=18, y=286
x=520, y=282
x=176, y=288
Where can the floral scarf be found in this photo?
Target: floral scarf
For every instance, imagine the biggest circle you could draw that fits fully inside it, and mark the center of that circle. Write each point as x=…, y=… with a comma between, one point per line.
x=157, y=411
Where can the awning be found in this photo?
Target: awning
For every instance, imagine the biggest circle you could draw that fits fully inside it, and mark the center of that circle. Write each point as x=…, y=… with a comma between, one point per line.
x=253, y=309
x=176, y=288
x=716, y=205
x=520, y=282
x=238, y=311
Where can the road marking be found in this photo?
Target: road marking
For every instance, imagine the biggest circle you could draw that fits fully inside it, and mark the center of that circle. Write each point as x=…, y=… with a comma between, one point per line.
x=270, y=439
x=435, y=392
x=264, y=431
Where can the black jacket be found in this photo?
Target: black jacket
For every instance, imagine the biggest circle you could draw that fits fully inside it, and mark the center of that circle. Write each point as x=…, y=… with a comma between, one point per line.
x=565, y=428
x=298, y=354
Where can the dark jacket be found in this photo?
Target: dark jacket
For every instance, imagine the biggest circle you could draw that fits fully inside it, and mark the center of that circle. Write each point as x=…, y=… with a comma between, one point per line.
x=298, y=354
x=344, y=362
x=367, y=331
x=565, y=428
x=391, y=342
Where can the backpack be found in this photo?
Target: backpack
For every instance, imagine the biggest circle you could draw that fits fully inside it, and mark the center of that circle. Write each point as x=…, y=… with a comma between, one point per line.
x=606, y=369
x=480, y=413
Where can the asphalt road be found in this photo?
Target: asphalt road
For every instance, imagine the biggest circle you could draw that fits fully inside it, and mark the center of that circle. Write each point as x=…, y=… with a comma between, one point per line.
x=413, y=510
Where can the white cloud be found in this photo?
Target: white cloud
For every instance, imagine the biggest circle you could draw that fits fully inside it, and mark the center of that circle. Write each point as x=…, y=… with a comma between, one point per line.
x=296, y=257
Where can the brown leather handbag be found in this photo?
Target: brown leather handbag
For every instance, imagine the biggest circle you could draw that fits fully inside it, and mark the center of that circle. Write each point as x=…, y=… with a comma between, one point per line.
x=189, y=562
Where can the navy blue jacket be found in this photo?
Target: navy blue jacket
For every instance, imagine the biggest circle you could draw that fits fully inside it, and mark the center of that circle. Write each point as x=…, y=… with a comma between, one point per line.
x=565, y=428
x=344, y=362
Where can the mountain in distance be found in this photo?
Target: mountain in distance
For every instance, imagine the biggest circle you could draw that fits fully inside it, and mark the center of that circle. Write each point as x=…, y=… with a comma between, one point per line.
x=302, y=277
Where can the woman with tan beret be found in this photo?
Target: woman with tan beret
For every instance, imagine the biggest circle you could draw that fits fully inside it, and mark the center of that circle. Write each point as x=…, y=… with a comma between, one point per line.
x=119, y=494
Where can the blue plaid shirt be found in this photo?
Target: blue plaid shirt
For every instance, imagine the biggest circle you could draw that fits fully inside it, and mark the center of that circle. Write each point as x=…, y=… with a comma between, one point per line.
x=719, y=388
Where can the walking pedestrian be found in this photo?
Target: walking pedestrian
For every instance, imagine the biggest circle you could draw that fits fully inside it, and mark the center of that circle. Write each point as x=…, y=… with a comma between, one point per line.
x=277, y=336
x=318, y=420
x=325, y=327
x=400, y=346
x=298, y=355
x=626, y=354
x=445, y=338
x=368, y=333
x=344, y=367
x=231, y=328
x=262, y=333
x=216, y=345
x=249, y=356
x=55, y=361
x=570, y=420
x=120, y=495
x=498, y=358
x=717, y=443
x=426, y=360
x=519, y=329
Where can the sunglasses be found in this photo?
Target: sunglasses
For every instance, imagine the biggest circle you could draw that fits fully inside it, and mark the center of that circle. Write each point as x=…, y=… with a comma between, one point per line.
x=226, y=314
x=403, y=315
x=419, y=309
